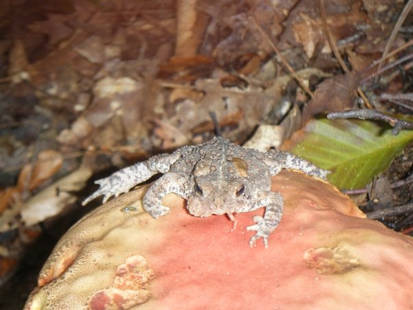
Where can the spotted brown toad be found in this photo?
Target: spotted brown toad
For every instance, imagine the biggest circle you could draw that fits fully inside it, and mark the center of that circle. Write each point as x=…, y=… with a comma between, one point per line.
x=216, y=177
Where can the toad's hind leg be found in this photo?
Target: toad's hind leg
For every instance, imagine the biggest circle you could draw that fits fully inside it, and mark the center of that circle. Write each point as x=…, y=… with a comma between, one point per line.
x=264, y=226
x=169, y=183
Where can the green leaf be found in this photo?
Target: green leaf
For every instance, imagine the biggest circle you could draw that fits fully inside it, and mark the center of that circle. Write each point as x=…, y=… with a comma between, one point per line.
x=354, y=151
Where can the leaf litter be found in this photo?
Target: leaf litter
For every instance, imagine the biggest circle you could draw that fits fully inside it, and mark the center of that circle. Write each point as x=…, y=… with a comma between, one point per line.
x=109, y=83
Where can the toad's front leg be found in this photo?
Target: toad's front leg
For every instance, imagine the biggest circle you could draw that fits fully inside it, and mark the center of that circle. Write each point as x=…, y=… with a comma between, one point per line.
x=123, y=180
x=264, y=226
x=170, y=182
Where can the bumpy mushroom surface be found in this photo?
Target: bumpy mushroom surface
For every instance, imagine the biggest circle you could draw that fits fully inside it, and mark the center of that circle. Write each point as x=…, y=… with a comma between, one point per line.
x=324, y=255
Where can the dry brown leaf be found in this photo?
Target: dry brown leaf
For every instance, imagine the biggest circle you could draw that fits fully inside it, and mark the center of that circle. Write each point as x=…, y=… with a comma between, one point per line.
x=92, y=49
x=80, y=129
x=45, y=204
x=25, y=176
x=47, y=164
x=383, y=11
x=186, y=69
x=17, y=59
x=19, y=68
x=229, y=119
x=252, y=65
x=265, y=137
x=55, y=27
x=31, y=176
x=180, y=93
x=333, y=95
x=7, y=267
x=7, y=197
x=358, y=62
x=51, y=201
x=191, y=25
x=303, y=25
x=170, y=135
x=270, y=136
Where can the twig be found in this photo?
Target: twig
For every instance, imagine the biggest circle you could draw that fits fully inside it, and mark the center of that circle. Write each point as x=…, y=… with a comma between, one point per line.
x=379, y=214
x=392, y=53
x=389, y=66
x=216, y=123
x=342, y=43
x=402, y=182
x=405, y=96
x=355, y=191
x=396, y=29
x=395, y=99
x=406, y=106
x=330, y=38
x=283, y=60
x=364, y=114
x=335, y=50
x=406, y=29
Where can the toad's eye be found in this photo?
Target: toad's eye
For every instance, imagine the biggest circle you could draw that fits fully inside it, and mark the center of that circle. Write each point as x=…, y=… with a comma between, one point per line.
x=198, y=189
x=240, y=191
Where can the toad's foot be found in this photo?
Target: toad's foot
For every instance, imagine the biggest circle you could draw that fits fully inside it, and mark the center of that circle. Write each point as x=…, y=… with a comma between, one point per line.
x=264, y=226
x=263, y=231
x=108, y=187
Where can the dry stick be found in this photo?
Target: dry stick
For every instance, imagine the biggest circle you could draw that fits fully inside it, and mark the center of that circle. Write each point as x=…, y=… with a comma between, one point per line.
x=394, y=32
x=364, y=114
x=396, y=102
x=396, y=63
x=395, y=99
x=379, y=214
x=405, y=96
x=283, y=60
x=402, y=182
x=408, y=66
x=390, y=77
x=330, y=38
x=355, y=191
x=335, y=50
x=392, y=53
x=389, y=66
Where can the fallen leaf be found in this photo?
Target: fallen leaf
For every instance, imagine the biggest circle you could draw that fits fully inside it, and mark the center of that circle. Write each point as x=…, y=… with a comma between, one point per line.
x=354, y=151
x=45, y=204
x=51, y=201
x=48, y=163
x=191, y=24
x=79, y=130
x=31, y=177
x=333, y=95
